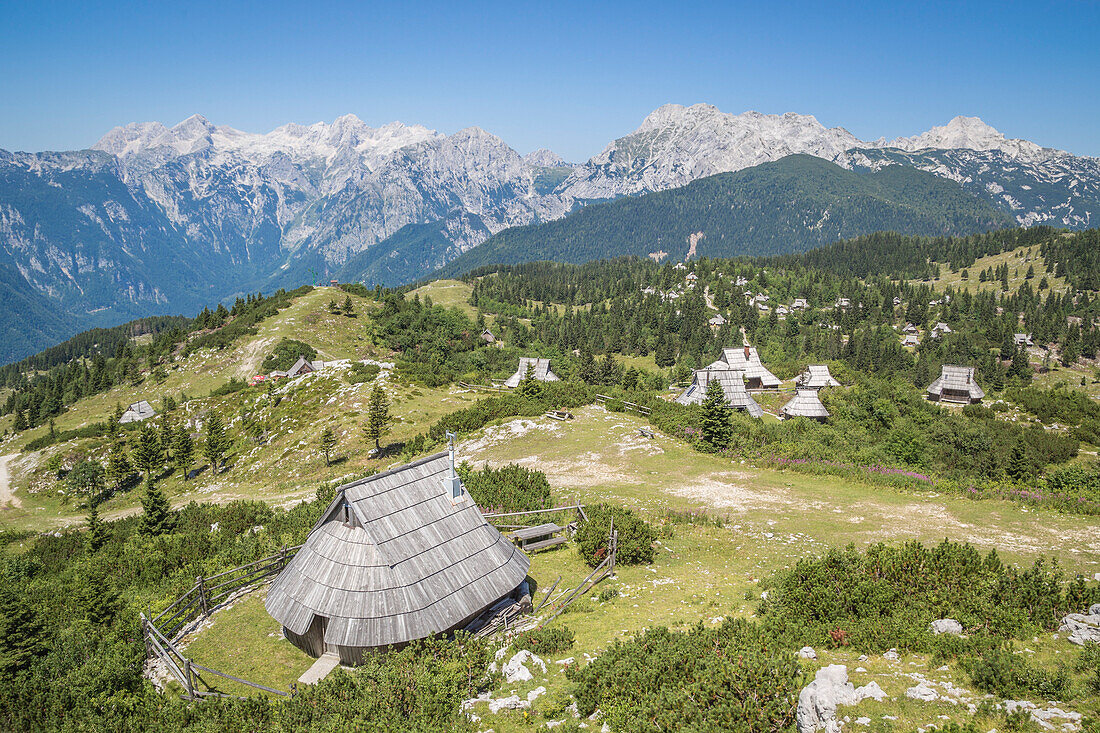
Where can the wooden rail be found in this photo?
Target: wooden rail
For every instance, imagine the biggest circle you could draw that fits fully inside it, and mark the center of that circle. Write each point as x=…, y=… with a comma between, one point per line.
x=640, y=409
x=162, y=631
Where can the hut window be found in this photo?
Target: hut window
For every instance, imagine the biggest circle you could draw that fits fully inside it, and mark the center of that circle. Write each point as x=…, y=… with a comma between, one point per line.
x=347, y=513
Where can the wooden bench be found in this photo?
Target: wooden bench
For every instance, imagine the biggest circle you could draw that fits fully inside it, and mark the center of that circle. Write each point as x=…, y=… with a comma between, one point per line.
x=525, y=535
x=646, y=433
x=559, y=414
x=543, y=544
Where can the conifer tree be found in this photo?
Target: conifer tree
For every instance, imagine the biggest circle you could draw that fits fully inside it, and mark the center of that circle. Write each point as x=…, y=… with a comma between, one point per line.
x=86, y=479
x=717, y=430
x=118, y=465
x=157, y=518
x=146, y=451
x=349, y=307
x=183, y=450
x=529, y=387
x=378, y=418
x=216, y=442
x=1019, y=467
x=99, y=597
x=328, y=443
x=22, y=638
x=97, y=530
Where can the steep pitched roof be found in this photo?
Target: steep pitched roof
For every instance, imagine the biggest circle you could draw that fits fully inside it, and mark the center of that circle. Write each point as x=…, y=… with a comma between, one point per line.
x=302, y=366
x=805, y=403
x=733, y=389
x=816, y=376
x=541, y=371
x=745, y=359
x=137, y=412
x=410, y=563
x=956, y=380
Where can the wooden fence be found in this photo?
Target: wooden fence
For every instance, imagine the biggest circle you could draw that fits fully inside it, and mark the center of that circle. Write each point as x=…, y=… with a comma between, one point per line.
x=163, y=631
x=640, y=409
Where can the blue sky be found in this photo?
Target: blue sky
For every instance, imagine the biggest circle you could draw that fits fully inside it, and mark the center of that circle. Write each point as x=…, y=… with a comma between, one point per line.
x=569, y=76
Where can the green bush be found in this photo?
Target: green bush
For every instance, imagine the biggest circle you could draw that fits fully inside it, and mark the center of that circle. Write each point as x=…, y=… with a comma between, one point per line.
x=635, y=536
x=545, y=641
x=285, y=353
x=1000, y=672
x=1089, y=664
x=509, y=488
x=731, y=678
x=361, y=373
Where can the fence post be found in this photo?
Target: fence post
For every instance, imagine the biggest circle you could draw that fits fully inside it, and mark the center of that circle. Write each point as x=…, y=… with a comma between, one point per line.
x=145, y=636
x=282, y=557
x=187, y=675
x=201, y=585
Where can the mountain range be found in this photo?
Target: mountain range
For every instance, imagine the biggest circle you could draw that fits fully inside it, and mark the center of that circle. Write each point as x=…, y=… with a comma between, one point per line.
x=156, y=219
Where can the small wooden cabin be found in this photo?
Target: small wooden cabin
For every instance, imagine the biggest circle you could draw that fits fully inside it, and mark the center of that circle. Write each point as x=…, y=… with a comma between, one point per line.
x=805, y=403
x=540, y=369
x=956, y=384
x=397, y=556
x=733, y=389
x=746, y=360
x=137, y=412
x=816, y=376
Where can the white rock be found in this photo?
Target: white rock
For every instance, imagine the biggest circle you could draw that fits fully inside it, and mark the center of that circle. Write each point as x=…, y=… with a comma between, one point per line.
x=536, y=693
x=946, y=626
x=818, y=701
x=512, y=702
x=1094, y=609
x=1083, y=628
x=807, y=652
x=922, y=692
x=892, y=655
x=863, y=721
x=516, y=671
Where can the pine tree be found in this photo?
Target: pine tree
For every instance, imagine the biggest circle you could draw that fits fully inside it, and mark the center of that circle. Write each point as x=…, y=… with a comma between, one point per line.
x=157, y=518
x=328, y=443
x=529, y=387
x=1019, y=467
x=588, y=372
x=86, y=479
x=99, y=597
x=332, y=307
x=216, y=442
x=97, y=530
x=22, y=638
x=146, y=452
x=20, y=423
x=183, y=450
x=378, y=418
x=717, y=430
x=349, y=307
x=118, y=465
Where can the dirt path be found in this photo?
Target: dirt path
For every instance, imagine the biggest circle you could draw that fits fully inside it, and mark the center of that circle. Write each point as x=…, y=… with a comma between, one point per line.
x=252, y=357
x=7, y=496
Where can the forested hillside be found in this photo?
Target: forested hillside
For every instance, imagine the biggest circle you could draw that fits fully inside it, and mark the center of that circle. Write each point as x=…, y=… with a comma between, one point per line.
x=792, y=205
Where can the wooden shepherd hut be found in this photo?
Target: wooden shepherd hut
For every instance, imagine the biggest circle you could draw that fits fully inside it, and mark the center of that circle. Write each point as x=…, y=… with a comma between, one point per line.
x=816, y=376
x=397, y=556
x=746, y=360
x=137, y=412
x=805, y=403
x=733, y=388
x=956, y=384
x=541, y=371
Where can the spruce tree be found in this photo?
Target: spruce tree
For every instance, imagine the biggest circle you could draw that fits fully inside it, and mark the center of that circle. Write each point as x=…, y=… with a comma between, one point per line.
x=378, y=418
x=118, y=465
x=216, y=442
x=1019, y=467
x=99, y=597
x=183, y=450
x=717, y=430
x=22, y=638
x=146, y=452
x=529, y=387
x=97, y=531
x=349, y=307
x=157, y=518
x=328, y=443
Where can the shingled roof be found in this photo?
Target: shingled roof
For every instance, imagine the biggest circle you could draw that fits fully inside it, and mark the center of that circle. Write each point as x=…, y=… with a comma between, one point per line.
x=956, y=384
x=733, y=389
x=394, y=558
x=746, y=359
x=816, y=376
x=137, y=412
x=805, y=403
x=542, y=371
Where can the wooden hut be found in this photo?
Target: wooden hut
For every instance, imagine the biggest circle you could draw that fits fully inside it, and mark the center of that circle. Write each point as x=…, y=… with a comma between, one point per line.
x=397, y=556
x=300, y=367
x=488, y=337
x=956, y=384
x=1022, y=339
x=805, y=403
x=540, y=369
x=137, y=412
x=746, y=360
x=733, y=389
x=816, y=376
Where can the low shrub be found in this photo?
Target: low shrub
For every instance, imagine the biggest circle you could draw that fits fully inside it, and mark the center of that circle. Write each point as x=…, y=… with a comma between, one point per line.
x=1000, y=672
x=635, y=536
x=730, y=678
x=510, y=488
x=1089, y=664
x=285, y=353
x=545, y=641
x=361, y=373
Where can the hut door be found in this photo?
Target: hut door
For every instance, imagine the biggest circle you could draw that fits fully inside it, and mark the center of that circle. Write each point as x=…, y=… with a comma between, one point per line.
x=315, y=637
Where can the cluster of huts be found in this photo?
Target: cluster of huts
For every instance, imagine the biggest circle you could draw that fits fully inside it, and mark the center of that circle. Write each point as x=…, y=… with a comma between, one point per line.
x=300, y=367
